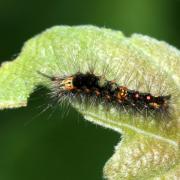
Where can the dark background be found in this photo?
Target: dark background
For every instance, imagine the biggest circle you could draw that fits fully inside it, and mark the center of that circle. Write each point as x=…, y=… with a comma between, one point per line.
x=65, y=146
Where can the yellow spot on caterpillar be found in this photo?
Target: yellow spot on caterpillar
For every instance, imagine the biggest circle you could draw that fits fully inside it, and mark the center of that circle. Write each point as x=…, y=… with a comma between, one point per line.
x=122, y=93
x=67, y=84
x=155, y=105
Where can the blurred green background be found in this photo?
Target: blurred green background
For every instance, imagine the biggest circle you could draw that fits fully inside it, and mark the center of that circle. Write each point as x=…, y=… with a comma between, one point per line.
x=54, y=145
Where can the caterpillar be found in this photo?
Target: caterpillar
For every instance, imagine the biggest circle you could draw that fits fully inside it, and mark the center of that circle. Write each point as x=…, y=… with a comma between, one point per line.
x=91, y=87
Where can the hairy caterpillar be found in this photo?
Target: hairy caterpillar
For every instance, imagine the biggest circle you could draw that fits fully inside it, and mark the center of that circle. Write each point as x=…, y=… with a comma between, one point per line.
x=85, y=87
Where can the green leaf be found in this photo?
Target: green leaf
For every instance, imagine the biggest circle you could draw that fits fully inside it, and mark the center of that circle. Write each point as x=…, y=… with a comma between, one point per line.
x=150, y=147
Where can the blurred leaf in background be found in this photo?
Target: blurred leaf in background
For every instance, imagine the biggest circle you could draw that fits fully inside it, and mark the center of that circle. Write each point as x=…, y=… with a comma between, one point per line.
x=38, y=147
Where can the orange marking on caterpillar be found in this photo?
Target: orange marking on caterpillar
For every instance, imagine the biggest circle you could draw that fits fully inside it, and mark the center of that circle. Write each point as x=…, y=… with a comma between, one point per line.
x=67, y=84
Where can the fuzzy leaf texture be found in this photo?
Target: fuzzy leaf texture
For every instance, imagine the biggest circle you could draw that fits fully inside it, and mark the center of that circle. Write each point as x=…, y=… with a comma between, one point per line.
x=149, y=148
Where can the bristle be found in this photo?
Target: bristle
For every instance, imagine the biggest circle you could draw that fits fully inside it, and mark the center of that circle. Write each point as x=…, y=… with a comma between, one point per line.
x=88, y=86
